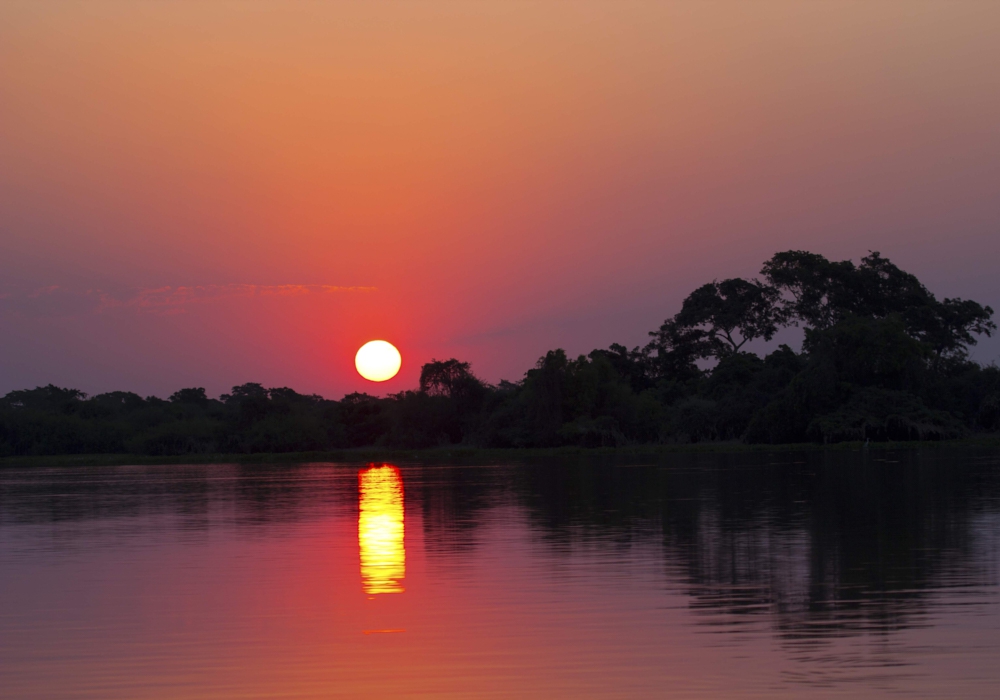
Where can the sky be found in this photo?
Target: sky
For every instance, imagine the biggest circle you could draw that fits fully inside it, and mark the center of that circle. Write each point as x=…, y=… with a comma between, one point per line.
x=206, y=194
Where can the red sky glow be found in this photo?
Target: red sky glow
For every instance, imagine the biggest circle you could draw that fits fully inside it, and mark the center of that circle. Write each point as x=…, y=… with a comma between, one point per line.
x=205, y=194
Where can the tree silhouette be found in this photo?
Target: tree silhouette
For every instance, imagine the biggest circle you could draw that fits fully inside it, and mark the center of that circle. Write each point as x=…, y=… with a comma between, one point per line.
x=449, y=378
x=194, y=396
x=719, y=318
x=823, y=293
x=882, y=359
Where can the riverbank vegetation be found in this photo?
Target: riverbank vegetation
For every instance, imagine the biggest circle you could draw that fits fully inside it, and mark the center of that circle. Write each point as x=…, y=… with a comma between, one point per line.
x=882, y=359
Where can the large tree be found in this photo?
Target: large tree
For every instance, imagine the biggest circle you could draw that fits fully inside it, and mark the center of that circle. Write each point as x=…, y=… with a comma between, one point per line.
x=819, y=290
x=821, y=293
x=450, y=378
x=674, y=351
x=719, y=318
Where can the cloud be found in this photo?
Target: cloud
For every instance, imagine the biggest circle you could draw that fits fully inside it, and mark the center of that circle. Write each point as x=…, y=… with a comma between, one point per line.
x=57, y=301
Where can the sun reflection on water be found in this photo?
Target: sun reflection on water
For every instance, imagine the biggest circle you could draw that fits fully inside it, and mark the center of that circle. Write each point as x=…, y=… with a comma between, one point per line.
x=380, y=530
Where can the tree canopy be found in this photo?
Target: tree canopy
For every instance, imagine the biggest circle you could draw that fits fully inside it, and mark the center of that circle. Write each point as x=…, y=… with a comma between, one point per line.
x=882, y=359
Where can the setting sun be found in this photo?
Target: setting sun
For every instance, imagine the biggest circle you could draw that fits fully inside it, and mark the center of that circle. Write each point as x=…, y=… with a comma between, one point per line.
x=378, y=360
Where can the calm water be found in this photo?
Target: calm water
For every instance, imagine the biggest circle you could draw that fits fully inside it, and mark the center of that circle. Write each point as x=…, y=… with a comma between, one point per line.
x=698, y=576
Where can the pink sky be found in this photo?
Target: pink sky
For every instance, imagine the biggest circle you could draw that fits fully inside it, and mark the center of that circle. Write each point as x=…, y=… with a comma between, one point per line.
x=204, y=194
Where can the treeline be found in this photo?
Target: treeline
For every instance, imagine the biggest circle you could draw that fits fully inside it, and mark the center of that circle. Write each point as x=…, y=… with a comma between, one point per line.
x=882, y=359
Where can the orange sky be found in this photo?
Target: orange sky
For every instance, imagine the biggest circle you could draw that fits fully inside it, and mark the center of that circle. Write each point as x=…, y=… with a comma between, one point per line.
x=480, y=180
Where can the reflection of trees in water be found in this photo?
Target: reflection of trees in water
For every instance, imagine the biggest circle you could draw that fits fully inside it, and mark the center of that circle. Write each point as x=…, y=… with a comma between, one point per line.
x=453, y=503
x=822, y=544
x=826, y=544
x=197, y=495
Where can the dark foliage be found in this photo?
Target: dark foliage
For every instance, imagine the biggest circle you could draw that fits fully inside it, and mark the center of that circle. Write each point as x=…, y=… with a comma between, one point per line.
x=882, y=359
x=729, y=314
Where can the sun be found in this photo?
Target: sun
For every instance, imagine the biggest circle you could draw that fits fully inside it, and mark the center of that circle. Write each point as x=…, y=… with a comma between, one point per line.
x=378, y=361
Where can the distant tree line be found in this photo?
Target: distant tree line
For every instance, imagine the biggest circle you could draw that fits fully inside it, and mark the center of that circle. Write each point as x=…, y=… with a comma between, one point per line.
x=882, y=359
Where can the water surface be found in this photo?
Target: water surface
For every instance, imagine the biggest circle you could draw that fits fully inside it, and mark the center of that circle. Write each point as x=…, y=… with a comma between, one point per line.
x=686, y=576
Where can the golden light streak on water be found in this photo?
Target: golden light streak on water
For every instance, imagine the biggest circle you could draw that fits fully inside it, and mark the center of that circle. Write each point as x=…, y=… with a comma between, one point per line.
x=380, y=530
